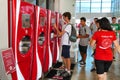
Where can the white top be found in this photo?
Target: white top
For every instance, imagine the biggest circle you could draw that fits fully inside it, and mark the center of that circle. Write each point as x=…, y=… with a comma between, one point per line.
x=65, y=37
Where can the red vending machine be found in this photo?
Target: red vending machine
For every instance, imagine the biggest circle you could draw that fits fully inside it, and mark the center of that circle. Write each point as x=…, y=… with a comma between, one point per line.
x=56, y=44
x=60, y=27
x=51, y=39
x=48, y=55
x=23, y=18
x=39, y=43
x=41, y=51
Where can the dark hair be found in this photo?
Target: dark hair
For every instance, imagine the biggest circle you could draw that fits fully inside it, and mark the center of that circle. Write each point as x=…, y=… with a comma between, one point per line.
x=105, y=24
x=113, y=18
x=98, y=21
x=96, y=18
x=83, y=18
x=67, y=14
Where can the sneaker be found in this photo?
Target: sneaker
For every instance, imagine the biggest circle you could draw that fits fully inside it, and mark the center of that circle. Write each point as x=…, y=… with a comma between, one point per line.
x=80, y=61
x=93, y=69
x=66, y=74
x=82, y=64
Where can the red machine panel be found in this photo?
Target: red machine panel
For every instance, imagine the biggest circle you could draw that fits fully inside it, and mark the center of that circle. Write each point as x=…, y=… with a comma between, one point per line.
x=48, y=55
x=60, y=27
x=56, y=44
x=23, y=39
x=51, y=39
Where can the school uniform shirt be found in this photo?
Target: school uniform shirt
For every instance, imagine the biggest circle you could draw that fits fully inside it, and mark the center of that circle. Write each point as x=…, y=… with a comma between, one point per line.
x=65, y=37
x=93, y=28
x=104, y=40
x=83, y=31
x=116, y=27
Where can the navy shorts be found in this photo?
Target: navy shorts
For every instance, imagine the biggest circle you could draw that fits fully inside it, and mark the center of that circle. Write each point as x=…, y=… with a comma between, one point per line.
x=102, y=66
x=83, y=49
x=65, y=51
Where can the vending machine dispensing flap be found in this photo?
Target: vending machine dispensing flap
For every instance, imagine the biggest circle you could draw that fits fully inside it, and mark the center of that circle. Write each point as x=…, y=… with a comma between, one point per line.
x=25, y=44
x=41, y=38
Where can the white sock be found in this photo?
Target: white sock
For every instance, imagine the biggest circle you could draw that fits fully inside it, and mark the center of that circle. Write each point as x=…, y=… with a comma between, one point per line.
x=69, y=71
x=66, y=69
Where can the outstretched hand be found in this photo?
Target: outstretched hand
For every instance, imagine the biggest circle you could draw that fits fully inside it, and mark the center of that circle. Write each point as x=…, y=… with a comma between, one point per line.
x=55, y=26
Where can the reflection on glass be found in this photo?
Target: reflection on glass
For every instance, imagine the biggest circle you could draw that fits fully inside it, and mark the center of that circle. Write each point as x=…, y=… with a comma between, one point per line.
x=25, y=44
x=25, y=20
x=52, y=35
x=42, y=21
x=41, y=38
x=53, y=21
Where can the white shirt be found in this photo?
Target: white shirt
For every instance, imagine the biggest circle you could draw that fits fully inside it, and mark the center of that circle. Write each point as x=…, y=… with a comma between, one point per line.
x=65, y=37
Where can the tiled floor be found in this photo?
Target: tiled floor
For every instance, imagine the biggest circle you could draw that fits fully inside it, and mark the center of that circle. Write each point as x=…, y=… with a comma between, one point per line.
x=84, y=73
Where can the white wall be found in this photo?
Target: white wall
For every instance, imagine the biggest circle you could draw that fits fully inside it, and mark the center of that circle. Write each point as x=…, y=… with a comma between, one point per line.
x=3, y=34
x=66, y=6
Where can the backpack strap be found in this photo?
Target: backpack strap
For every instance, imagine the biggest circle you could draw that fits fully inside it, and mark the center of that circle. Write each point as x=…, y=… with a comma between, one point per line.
x=68, y=33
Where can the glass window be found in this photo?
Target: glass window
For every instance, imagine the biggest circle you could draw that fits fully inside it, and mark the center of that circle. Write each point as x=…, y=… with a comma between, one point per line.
x=95, y=10
x=85, y=9
x=106, y=10
x=85, y=4
x=106, y=1
x=85, y=0
x=106, y=5
x=42, y=3
x=95, y=5
x=77, y=7
x=95, y=0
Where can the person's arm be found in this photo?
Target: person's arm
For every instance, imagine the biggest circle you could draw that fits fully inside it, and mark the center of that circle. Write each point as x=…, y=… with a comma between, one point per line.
x=117, y=46
x=86, y=33
x=92, y=42
x=85, y=36
x=58, y=32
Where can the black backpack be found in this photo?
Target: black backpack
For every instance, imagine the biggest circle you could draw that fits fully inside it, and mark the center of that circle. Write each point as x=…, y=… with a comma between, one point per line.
x=73, y=35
